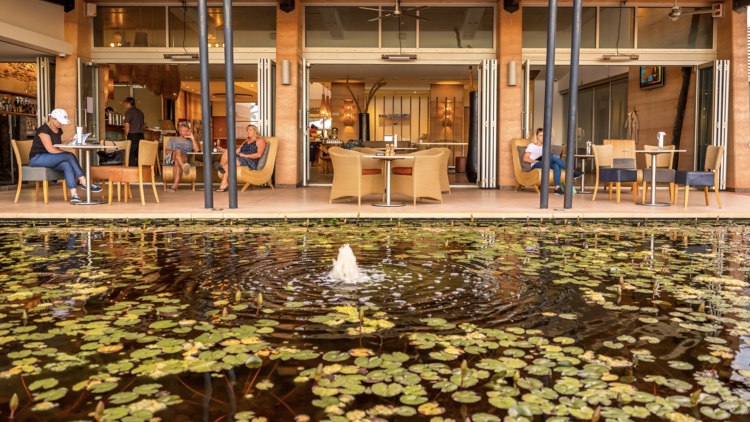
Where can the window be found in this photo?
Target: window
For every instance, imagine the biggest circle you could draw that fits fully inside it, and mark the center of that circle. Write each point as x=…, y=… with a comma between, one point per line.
x=657, y=30
x=534, y=27
x=130, y=27
x=341, y=27
x=456, y=27
x=253, y=26
x=616, y=27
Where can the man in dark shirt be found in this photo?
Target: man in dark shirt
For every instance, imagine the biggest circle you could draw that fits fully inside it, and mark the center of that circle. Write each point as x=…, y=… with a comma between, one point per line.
x=133, y=128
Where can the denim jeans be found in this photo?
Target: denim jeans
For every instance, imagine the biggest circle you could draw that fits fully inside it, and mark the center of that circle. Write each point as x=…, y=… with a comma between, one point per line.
x=65, y=162
x=556, y=164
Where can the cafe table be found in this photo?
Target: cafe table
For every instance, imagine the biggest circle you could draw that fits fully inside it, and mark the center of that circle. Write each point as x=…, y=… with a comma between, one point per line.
x=583, y=158
x=200, y=154
x=653, y=153
x=87, y=148
x=388, y=159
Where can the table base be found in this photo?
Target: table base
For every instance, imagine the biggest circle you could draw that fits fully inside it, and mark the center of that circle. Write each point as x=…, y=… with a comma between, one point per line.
x=654, y=204
x=385, y=204
x=88, y=203
x=586, y=192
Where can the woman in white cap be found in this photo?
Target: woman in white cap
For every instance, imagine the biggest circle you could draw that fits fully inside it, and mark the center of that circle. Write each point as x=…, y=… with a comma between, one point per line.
x=44, y=154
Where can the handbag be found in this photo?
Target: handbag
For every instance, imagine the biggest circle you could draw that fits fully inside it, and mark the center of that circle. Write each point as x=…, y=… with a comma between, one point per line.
x=114, y=157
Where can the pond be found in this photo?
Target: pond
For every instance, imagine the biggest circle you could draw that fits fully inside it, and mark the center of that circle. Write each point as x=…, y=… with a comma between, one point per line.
x=480, y=321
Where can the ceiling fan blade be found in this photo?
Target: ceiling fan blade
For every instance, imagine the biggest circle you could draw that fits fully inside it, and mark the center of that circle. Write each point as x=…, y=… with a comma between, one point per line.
x=369, y=8
x=375, y=19
x=414, y=9
x=415, y=17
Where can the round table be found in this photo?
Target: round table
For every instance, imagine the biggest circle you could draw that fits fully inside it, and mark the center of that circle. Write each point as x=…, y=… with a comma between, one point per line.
x=87, y=148
x=583, y=158
x=388, y=159
x=200, y=154
x=653, y=153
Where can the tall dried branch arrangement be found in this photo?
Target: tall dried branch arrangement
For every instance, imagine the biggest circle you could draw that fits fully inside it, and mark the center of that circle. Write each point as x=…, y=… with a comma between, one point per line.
x=379, y=84
x=359, y=110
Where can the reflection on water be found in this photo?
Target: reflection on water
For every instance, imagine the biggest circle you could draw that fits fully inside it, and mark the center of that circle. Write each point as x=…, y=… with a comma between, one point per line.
x=170, y=318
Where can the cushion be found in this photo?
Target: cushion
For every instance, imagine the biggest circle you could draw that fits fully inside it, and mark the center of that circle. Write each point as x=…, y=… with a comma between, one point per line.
x=351, y=144
x=617, y=175
x=402, y=170
x=662, y=175
x=623, y=163
x=263, y=158
x=694, y=178
x=371, y=171
x=524, y=166
x=40, y=174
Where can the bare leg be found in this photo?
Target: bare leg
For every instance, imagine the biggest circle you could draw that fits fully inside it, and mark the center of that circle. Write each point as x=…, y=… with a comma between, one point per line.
x=225, y=179
x=179, y=160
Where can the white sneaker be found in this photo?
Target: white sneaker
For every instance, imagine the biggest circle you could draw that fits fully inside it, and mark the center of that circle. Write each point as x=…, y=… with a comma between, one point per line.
x=186, y=169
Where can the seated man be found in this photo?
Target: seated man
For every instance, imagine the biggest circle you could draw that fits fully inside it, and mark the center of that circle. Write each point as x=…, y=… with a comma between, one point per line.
x=177, y=149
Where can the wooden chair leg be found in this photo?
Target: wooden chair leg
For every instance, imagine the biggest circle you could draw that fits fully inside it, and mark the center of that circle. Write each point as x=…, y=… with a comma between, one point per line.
x=125, y=189
x=271, y=185
x=610, y=191
x=46, y=191
x=619, y=186
x=193, y=186
x=536, y=188
x=635, y=192
x=596, y=189
x=518, y=186
x=18, y=191
x=705, y=190
x=153, y=185
x=65, y=190
x=110, y=192
x=118, y=191
x=143, y=196
x=37, y=191
x=718, y=200
x=687, y=190
x=244, y=188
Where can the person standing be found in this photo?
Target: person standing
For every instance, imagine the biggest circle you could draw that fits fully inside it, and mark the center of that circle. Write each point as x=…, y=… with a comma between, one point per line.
x=133, y=129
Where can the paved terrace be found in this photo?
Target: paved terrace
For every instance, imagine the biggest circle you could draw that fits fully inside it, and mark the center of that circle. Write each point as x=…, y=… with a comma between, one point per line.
x=312, y=202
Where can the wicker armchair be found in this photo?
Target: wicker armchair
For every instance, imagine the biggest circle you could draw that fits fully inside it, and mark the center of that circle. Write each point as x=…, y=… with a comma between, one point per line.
x=259, y=177
x=422, y=179
x=351, y=178
x=533, y=177
x=27, y=173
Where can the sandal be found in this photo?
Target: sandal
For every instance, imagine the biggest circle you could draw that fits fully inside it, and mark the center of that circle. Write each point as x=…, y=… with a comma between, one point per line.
x=222, y=190
x=170, y=189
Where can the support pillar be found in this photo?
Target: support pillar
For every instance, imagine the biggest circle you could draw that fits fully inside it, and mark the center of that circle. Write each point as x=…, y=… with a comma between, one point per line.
x=289, y=165
x=78, y=34
x=732, y=46
x=511, y=97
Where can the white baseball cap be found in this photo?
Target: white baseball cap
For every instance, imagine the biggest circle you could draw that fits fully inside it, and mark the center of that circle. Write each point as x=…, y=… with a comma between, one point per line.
x=61, y=116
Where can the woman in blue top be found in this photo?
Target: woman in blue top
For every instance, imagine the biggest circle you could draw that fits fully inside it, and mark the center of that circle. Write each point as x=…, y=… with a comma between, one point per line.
x=248, y=155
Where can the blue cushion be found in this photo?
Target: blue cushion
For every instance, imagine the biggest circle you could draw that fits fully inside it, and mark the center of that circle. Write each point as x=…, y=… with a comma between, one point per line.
x=40, y=174
x=662, y=175
x=617, y=175
x=694, y=178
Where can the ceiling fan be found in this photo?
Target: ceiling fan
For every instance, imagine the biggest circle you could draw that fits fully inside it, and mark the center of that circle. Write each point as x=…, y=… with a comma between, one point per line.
x=397, y=12
x=716, y=11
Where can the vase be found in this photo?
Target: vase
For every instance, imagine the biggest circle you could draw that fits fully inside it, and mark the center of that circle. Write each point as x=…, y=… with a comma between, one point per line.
x=472, y=155
x=364, y=127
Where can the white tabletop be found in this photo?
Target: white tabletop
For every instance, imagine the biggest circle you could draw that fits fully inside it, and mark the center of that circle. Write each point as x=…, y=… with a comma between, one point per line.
x=389, y=157
x=657, y=151
x=86, y=146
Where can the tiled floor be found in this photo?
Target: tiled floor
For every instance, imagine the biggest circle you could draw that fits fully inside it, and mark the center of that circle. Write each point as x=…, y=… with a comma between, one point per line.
x=312, y=202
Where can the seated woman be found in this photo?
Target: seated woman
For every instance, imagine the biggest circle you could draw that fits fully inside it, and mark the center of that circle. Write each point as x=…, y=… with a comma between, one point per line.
x=44, y=154
x=533, y=156
x=248, y=155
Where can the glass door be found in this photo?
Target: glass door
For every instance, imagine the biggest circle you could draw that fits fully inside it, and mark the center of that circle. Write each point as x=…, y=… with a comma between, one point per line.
x=307, y=152
x=87, y=111
x=704, y=113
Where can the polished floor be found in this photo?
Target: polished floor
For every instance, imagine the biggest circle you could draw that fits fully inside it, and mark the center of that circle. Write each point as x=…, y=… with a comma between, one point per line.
x=313, y=202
